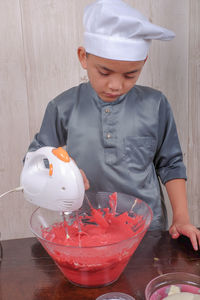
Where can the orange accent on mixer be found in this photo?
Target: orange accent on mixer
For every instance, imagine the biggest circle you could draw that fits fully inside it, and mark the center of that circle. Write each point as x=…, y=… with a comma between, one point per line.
x=61, y=154
x=50, y=170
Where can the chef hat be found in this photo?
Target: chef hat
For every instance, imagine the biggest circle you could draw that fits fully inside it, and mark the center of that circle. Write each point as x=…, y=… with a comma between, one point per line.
x=115, y=30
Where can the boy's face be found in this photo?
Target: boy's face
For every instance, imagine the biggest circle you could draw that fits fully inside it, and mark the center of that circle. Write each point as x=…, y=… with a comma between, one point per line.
x=110, y=78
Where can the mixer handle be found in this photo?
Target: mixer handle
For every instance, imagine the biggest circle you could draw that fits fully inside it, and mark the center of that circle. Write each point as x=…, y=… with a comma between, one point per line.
x=50, y=154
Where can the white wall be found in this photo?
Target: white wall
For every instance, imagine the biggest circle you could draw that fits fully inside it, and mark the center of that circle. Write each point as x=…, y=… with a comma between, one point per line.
x=38, y=61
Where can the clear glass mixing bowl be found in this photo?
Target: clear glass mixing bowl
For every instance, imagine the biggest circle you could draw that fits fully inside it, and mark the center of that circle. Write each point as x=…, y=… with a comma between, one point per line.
x=97, y=265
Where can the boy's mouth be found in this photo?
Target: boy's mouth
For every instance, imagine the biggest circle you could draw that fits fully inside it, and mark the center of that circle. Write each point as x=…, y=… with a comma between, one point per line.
x=112, y=95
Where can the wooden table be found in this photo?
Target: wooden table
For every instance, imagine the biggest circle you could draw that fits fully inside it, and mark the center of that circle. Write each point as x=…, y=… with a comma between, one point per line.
x=28, y=273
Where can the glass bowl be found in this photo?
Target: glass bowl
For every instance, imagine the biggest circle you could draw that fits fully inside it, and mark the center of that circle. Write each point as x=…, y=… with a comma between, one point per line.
x=159, y=287
x=115, y=296
x=98, y=264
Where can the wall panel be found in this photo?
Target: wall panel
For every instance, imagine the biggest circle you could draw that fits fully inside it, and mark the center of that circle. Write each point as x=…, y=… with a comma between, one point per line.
x=38, y=61
x=14, y=123
x=194, y=113
x=52, y=32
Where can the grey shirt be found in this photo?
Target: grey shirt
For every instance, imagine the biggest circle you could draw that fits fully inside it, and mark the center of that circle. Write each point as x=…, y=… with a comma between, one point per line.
x=124, y=146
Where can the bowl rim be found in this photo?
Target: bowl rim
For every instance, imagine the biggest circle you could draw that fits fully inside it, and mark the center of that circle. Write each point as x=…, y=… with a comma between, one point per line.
x=91, y=247
x=114, y=294
x=169, y=282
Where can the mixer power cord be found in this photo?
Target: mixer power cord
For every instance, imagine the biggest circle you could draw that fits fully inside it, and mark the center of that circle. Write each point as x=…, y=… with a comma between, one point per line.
x=17, y=189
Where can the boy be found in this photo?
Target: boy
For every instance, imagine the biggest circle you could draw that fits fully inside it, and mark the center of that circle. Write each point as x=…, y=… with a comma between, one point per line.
x=122, y=136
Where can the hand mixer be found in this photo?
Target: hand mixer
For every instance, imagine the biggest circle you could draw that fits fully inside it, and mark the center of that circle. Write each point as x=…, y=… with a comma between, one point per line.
x=51, y=179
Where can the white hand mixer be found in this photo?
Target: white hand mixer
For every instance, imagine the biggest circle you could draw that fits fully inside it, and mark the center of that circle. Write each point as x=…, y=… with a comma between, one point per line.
x=51, y=179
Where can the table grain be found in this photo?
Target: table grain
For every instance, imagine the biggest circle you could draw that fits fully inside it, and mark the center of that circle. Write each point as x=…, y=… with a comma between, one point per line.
x=28, y=273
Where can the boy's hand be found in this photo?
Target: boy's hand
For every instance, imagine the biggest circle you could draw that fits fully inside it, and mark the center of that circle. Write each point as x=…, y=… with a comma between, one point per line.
x=187, y=229
x=85, y=180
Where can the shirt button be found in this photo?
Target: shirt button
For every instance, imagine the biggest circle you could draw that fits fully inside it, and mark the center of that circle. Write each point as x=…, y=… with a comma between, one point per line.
x=107, y=110
x=108, y=135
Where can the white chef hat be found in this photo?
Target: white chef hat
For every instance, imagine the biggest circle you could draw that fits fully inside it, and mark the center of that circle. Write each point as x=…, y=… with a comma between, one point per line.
x=115, y=30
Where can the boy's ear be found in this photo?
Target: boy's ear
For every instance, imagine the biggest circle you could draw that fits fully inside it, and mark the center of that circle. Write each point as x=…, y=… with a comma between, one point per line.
x=82, y=56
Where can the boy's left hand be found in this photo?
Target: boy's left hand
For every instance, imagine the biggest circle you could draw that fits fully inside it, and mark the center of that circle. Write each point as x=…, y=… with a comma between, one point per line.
x=187, y=229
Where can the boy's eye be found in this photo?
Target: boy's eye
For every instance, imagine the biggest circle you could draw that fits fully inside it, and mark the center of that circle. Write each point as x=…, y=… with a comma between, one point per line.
x=103, y=74
x=129, y=77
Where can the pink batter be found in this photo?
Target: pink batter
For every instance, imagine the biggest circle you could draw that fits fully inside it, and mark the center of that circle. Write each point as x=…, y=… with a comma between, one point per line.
x=104, y=250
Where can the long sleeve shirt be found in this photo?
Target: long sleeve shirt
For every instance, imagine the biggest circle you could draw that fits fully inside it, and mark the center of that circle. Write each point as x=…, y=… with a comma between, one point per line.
x=128, y=145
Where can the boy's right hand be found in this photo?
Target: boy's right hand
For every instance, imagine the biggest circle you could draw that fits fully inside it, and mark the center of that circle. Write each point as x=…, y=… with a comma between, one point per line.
x=85, y=180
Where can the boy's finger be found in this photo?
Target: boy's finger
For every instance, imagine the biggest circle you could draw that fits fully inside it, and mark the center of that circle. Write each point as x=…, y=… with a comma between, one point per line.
x=174, y=233
x=85, y=180
x=193, y=239
x=198, y=239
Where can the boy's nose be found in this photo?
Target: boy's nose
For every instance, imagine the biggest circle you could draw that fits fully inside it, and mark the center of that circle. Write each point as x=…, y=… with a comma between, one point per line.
x=115, y=84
